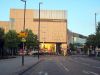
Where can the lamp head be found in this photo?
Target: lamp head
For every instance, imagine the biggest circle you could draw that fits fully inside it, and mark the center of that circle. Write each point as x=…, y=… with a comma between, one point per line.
x=40, y=2
x=23, y=0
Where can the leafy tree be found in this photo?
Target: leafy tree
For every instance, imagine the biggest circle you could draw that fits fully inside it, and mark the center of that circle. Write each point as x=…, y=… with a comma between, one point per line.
x=1, y=41
x=72, y=47
x=85, y=49
x=98, y=35
x=94, y=39
x=31, y=39
x=11, y=40
x=1, y=33
x=91, y=40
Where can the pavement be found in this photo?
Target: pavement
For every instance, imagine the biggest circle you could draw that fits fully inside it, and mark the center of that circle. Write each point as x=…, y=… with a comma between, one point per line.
x=96, y=58
x=60, y=65
x=14, y=67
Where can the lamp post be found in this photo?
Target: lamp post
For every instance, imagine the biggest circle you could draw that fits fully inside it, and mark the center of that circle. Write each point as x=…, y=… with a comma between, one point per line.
x=24, y=13
x=95, y=22
x=23, y=31
x=73, y=38
x=39, y=29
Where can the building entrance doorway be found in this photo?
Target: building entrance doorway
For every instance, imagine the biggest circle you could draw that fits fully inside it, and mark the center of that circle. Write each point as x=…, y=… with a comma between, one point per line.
x=48, y=48
x=58, y=48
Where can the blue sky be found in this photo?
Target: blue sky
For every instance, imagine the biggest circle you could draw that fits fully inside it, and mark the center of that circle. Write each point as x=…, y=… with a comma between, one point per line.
x=80, y=13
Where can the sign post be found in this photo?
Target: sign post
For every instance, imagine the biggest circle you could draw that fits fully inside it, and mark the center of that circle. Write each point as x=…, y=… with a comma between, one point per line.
x=23, y=40
x=23, y=35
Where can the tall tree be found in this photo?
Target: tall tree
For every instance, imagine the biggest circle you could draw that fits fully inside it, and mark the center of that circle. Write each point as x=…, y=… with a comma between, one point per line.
x=1, y=41
x=98, y=35
x=31, y=39
x=91, y=40
x=11, y=41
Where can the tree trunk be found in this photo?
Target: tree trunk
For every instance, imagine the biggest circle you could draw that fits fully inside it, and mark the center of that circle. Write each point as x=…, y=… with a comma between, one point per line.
x=12, y=51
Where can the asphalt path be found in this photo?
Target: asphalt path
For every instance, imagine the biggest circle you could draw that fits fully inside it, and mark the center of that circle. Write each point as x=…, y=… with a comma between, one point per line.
x=70, y=65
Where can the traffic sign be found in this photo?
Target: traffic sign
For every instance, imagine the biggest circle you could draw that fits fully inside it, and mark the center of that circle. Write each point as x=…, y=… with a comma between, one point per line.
x=22, y=34
x=23, y=40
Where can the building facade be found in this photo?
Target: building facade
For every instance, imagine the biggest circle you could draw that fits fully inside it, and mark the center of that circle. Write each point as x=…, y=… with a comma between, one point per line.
x=76, y=38
x=5, y=25
x=53, y=27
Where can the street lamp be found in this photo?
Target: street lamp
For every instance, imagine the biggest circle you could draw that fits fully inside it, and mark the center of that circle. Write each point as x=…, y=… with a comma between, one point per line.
x=24, y=13
x=95, y=21
x=23, y=31
x=73, y=37
x=39, y=29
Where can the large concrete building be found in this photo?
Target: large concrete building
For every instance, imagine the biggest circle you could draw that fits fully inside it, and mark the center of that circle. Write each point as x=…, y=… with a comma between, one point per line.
x=53, y=27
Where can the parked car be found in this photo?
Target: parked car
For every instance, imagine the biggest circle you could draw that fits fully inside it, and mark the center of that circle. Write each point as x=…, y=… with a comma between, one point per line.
x=21, y=52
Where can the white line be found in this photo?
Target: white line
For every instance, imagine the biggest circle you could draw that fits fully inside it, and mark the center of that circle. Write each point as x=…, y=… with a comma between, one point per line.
x=86, y=72
x=89, y=72
x=85, y=64
x=40, y=73
x=45, y=73
x=94, y=73
x=96, y=67
x=80, y=62
x=64, y=67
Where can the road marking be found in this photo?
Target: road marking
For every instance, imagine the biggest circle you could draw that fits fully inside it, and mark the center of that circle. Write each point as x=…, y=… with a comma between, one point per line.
x=94, y=73
x=85, y=64
x=64, y=67
x=90, y=72
x=86, y=72
x=45, y=73
x=96, y=67
x=80, y=62
x=42, y=73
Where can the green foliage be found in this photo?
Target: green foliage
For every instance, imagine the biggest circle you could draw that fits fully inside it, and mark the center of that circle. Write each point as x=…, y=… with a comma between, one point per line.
x=98, y=35
x=72, y=47
x=98, y=28
x=31, y=39
x=78, y=44
x=1, y=33
x=94, y=39
x=1, y=37
x=11, y=39
x=85, y=49
x=91, y=40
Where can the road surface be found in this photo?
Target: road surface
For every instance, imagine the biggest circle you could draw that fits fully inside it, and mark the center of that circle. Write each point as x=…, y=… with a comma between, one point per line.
x=70, y=65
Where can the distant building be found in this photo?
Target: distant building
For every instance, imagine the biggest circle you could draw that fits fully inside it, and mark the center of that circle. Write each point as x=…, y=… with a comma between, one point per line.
x=76, y=38
x=5, y=25
x=78, y=41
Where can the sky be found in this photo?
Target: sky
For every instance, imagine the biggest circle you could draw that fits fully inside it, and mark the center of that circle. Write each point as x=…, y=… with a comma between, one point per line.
x=80, y=13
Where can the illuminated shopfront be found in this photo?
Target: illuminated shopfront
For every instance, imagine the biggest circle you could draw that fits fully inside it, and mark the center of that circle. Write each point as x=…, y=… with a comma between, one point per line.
x=48, y=48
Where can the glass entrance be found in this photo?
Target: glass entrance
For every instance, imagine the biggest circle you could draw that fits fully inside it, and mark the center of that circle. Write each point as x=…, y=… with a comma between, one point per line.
x=48, y=48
